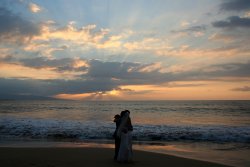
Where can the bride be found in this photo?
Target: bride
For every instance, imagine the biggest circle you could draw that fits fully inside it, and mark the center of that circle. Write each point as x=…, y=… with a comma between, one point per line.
x=125, y=133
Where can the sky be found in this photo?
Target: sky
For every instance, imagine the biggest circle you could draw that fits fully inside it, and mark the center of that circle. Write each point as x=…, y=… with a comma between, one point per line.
x=125, y=50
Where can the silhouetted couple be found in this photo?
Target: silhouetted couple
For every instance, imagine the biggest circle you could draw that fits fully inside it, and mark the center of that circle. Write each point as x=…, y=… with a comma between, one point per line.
x=123, y=137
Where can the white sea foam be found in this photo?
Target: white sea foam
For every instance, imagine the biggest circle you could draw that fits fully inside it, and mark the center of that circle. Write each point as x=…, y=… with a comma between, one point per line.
x=58, y=129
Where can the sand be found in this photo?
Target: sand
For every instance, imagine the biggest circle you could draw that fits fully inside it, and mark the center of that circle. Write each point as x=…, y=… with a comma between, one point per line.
x=89, y=157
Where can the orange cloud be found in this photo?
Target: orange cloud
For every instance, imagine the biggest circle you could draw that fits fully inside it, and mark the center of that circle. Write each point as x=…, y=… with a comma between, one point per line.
x=73, y=96
x=195, y=90
x=80, y=63
x=107, y=95
x=221, y=37
x=8, y=70
x=87, y=37
x=71, y=33
x=34, y=8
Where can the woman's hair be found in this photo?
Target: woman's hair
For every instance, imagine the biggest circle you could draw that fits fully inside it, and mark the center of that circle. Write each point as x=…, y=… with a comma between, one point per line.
x=117, y=116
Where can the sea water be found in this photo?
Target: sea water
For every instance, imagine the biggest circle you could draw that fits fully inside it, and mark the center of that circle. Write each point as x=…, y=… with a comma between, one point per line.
x=195, y=126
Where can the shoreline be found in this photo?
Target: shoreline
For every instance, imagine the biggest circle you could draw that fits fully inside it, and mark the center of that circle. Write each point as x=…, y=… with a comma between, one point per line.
x=87, y=156
x=194, y=151
x=229, y=154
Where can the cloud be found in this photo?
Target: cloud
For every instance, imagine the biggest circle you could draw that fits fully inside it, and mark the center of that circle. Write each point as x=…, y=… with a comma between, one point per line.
x=195, y=28
x=224, y=70
x=86, y=35
x=243, y=89
x=151, y=67
x=101, y=69
x=192, y=30
x=114, y=94
x=34, y=8
x=235, y=5
x=98, y=76
x=85, y=38
x=233, y=22
x=126, y=73
x=176, y=85
x=13, y=70
x=222, y=37
x=120, y=72
x=14, y=28
x=53, y=87
x=149, y=45
x=247, y=14
x=42, y=68
x=185, y=23
x=196, y=54
x=64, y=64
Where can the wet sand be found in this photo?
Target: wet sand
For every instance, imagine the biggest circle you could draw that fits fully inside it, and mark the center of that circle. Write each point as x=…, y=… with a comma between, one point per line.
x=96, y=157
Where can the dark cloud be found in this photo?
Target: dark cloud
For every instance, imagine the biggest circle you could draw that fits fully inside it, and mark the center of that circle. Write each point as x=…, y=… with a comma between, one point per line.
x=196, y=28
x=217, y=71
x=52, y=87
x=64, y=64
x=124, y=72
x=243, y=89
x=234, y=69
x=235, y=5
x=233, y=22
x=41, y=62
x=99, y=69
x=15, y=28
x=106, y=76
x=191, y=29
x=100, y=77
x=132, y=73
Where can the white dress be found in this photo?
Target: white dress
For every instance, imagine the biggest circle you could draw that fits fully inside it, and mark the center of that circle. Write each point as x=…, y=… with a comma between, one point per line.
x=125, y=151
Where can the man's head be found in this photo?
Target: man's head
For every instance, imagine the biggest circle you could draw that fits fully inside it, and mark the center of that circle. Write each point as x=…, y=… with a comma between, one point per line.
x=124, y=112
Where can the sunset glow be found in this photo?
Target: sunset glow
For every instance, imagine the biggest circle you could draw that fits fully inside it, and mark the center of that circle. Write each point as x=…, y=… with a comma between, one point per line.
x=119, y=50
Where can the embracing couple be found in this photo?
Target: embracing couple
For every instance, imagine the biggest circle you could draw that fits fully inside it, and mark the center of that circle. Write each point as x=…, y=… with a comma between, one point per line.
x=123, y=137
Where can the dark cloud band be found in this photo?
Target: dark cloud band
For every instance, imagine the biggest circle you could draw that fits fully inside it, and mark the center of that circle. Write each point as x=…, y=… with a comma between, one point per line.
x=237, y=5
x=106, y=76
x=14, y=28
x=233, y=22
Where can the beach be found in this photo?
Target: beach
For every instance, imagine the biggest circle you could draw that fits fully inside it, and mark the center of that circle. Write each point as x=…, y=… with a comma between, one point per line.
x=98, y=157
x=85, y=82
x=168, y=127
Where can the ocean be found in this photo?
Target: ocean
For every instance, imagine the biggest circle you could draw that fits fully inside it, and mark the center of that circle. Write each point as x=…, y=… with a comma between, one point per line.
x=188, y=128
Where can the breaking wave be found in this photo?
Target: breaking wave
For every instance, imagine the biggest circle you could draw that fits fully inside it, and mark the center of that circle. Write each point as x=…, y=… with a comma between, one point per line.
x=51, y=129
